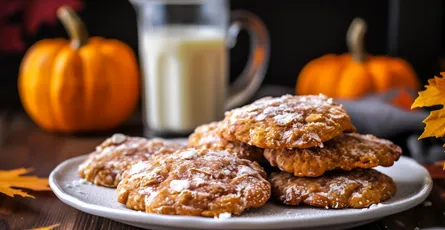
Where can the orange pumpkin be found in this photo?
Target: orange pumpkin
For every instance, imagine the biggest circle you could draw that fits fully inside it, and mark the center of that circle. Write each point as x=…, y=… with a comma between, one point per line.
x=88, y=84
x=355, y=74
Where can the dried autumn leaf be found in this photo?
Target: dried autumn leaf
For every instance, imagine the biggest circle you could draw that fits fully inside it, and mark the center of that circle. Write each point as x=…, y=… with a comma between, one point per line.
x=433, y=95
x=47, y=227
x=13, y=178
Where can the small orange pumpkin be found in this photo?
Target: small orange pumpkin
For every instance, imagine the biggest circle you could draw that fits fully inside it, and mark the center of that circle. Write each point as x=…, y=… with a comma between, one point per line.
x=355, y=74
x=88, y=84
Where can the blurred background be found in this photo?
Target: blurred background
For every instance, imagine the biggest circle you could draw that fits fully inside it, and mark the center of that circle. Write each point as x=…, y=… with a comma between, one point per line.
x=300, y=31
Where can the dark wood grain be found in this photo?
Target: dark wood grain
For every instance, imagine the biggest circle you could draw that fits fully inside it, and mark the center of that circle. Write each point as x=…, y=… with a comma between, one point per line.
x=22, y=144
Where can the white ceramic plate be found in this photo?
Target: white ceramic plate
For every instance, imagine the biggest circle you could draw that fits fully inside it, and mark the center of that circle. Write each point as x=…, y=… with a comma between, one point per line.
x=413, y=186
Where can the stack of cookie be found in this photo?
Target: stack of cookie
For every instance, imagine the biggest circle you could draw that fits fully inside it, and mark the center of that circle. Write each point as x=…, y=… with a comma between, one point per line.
x=310, y=139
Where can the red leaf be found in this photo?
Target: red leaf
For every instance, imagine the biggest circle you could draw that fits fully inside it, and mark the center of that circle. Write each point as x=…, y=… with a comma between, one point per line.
x=10, y=38
x=38, y=12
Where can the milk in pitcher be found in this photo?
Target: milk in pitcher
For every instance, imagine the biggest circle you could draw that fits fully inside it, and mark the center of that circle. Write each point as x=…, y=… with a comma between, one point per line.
x=185, y=77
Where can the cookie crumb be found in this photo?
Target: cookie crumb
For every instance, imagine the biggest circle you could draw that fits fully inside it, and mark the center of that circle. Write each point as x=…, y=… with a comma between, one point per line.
x=224, y=215
x=77, y=183
x=427, y=203
x=376, y=205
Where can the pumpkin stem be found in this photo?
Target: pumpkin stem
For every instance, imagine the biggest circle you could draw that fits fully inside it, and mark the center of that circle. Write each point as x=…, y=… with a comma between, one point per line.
x=73, y=25
x=355, y=39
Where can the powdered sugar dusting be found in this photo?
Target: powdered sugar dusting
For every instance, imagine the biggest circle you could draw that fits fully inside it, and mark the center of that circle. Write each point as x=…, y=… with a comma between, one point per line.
x=179, y=185
x=139, y=167
x=307, y=121
x=118, y=138
x=245, y=170
x=334, y=189
x=118, y=153
x=77, y=183
x=189, y=154
x=210, y=179
x=338, y=188
x=330, y=101
x=199, y=180
x=376, y=205
x=346, y=151
x=226, y=172
x=260, y=117
x=284, y=119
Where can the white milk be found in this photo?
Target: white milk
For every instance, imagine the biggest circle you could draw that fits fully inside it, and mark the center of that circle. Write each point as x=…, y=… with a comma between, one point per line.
x=185, y=77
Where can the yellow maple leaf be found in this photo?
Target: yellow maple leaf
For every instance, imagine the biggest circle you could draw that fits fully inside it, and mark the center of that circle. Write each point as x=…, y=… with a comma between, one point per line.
x=13, y=178
x=433, y=95
x=47, y=227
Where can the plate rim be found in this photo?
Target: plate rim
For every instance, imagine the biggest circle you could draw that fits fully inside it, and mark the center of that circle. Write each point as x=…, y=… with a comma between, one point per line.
x=198, y=222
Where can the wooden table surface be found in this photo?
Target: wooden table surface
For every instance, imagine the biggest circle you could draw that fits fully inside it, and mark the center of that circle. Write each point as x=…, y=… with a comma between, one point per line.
x=22, y=144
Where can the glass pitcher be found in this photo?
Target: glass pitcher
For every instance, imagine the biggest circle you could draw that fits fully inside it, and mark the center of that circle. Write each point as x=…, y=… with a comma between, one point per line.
x=184, y=52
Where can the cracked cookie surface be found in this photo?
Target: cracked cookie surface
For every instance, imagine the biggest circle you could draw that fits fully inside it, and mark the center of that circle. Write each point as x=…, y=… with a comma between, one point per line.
x=195, y=182
x=359, y=188
x=205, y=136
x=346, y=152
x=116, y=154
x=286, y=122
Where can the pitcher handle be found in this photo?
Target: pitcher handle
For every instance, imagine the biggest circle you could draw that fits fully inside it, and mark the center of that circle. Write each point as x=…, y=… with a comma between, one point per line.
x=245, y=85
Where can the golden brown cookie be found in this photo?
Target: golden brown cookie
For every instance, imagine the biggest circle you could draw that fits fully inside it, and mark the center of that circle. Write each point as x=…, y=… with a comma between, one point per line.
x=359, y=188
x=205, y=136
x=286, y=122
x=116, y=154
x=346, y=152
x=195, y=182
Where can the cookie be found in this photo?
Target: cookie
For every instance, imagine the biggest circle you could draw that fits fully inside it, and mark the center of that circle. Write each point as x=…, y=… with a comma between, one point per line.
x=286, y=122
x=195, y=182
x=116, y=154
x=205, y=136
x=346, y=152
x=359, y=188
